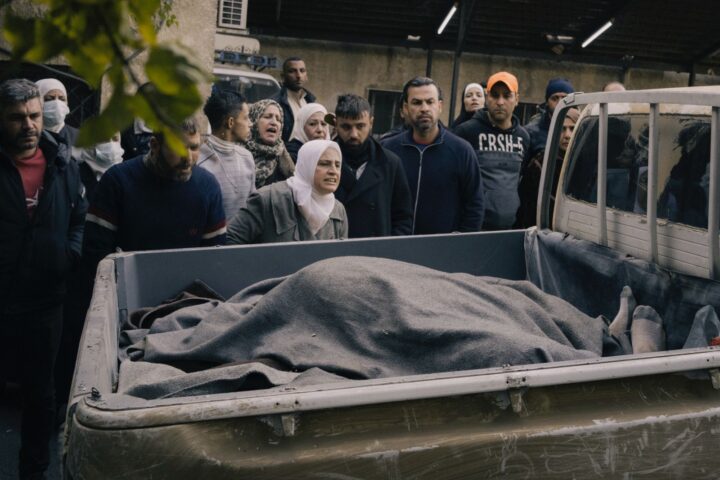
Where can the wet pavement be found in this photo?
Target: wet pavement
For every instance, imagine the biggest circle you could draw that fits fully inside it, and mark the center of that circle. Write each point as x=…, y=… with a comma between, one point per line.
x=10, y=438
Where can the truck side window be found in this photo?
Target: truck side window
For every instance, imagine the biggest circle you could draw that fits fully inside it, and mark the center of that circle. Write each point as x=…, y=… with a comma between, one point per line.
x=622, y=153
x=684, y=198
x=683, y=165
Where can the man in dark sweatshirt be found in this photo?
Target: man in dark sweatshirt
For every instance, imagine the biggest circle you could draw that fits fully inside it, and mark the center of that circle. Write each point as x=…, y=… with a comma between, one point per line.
x=502, y=148
x=441, y=168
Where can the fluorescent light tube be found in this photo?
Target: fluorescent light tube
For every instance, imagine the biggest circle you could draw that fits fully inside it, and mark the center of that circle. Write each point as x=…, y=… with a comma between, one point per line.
x=595, y=35
x=447, y=19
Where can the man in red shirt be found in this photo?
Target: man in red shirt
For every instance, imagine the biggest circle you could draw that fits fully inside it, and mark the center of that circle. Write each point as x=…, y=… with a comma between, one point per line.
x=42, y=215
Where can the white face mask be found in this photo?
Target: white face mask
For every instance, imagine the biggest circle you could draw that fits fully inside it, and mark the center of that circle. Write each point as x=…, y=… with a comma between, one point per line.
x=54, y=113
x=108, y=154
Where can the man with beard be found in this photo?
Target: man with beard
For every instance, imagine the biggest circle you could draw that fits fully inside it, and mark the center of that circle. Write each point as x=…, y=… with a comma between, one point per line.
x=160, y=200
x=441, y=168
x=502, y=148
x=373, y=187
x=41, y=228
x=293, y=95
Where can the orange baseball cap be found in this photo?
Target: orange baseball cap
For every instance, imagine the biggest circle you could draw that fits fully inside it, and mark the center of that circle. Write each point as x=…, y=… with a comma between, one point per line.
x=504, y=77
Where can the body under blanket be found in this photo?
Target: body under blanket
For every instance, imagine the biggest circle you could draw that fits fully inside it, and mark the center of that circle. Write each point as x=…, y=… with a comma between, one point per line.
x=356, y=318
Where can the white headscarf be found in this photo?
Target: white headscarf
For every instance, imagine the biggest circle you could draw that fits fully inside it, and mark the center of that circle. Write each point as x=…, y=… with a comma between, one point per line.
x=302, y=117
x=314, y=207
x=475, y=85
x=54, y=111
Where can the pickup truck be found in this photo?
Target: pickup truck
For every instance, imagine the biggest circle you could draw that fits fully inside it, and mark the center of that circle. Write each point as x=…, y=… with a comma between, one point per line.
x=649, y=415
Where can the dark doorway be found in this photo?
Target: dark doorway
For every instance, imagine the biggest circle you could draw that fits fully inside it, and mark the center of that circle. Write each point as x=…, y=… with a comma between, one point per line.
x=385, y=105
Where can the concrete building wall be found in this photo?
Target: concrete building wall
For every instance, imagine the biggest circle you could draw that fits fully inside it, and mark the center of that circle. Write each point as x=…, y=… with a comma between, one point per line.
x=194, y=27
x=335, y=67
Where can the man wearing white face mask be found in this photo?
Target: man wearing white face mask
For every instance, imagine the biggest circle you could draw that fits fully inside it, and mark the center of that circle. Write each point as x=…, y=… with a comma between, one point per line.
x=96, y=160
x=55, y=109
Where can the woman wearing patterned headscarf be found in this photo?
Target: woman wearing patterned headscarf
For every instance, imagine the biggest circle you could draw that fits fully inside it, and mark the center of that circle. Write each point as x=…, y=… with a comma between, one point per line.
x=302, y=208
x=272, y=161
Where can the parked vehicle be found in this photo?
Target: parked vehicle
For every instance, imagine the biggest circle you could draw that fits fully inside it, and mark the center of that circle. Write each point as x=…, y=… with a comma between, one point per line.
x=252, y=85
x=627, y=416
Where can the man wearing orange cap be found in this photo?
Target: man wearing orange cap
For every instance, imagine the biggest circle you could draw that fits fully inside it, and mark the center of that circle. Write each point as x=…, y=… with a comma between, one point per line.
x=502, y=148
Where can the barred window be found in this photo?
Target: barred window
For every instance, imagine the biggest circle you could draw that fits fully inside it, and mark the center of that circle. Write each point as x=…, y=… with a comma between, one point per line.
x=232, y=14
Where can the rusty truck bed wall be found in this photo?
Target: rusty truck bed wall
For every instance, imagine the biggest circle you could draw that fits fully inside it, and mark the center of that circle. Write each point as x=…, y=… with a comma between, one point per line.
x=147, y=278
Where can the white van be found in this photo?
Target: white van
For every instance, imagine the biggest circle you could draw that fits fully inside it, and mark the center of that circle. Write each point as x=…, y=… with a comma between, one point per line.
x=252, y=85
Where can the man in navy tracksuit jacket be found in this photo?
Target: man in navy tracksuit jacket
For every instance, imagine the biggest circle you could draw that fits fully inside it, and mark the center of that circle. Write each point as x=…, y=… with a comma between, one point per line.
x=441, y=169
x=502, y=148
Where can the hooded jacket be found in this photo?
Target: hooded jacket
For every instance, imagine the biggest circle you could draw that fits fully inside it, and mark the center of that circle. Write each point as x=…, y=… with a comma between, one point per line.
x=444, y=181
x=501, y=155
x=36, y=254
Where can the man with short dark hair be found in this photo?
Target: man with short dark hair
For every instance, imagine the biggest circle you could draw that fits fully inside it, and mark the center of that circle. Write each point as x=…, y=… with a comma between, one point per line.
x=157, y=201
x=502, y=149
x=222, y=155
x=538, y=126
x=293, y=95
x=41, y=225
x=441, y=168
x=373, y=187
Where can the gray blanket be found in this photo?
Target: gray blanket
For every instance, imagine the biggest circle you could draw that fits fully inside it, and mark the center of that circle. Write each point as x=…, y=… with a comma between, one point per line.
x=354, y=318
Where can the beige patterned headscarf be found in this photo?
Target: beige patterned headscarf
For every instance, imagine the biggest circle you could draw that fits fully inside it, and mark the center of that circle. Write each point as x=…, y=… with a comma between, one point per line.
x=268, y=158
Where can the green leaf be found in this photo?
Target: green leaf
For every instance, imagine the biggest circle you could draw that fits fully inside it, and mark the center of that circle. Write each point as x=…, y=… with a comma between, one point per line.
x=32, y=39
x=16, y=31
x=162, y=70
x=86, y=66
x=174, y=140
x=116, y=116
x=144, y=12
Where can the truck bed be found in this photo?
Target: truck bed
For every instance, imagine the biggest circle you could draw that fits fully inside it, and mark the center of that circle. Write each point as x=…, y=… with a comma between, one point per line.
x=611, y=417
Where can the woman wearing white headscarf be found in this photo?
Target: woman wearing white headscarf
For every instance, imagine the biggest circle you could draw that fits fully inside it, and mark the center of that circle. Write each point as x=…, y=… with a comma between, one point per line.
x=309, y=125
x=302, y=207
x=55, y=109
x=472, y=101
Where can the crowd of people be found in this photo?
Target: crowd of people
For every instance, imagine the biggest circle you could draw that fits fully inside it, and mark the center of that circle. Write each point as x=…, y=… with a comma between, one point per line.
x=282, y=169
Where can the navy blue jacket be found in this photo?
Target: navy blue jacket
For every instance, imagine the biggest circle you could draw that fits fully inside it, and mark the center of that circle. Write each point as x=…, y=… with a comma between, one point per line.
x=37, y=254
x=538, y=128
x=135, y=209
x=288, y=118
x=444, y=181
